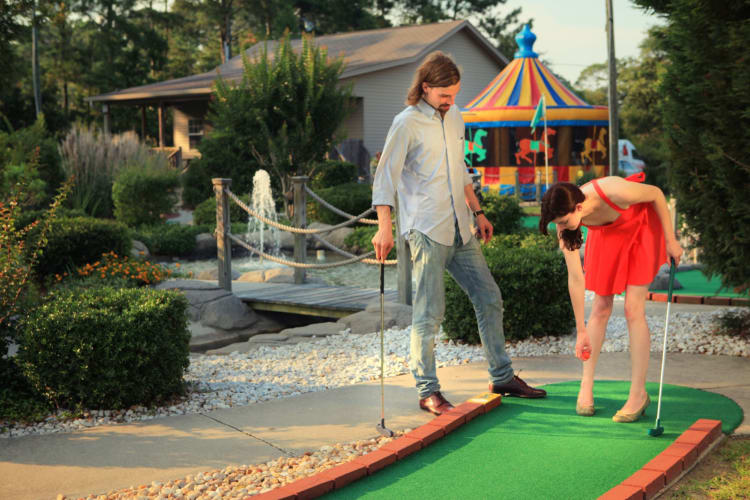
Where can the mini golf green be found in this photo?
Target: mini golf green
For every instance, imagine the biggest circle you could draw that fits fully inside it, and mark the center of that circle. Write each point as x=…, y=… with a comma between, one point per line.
x=694, y=282
x=541, y=449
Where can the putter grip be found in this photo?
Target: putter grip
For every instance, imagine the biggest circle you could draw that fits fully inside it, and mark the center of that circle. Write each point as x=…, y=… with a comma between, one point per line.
x=671, y=278
x=382, y=277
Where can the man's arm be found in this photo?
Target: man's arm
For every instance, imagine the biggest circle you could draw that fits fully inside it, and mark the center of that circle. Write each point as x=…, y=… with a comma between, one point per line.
x=383, y=239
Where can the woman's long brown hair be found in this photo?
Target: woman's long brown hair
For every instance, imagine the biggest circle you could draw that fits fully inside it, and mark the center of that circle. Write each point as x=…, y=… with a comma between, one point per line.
x=560, y=200
x=437, y=70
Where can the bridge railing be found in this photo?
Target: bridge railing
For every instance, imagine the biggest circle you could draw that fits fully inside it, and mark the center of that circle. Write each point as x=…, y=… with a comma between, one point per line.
x=301, y=231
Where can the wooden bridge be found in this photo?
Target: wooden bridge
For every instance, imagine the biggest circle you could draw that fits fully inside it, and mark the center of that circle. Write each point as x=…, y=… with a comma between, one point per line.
x=313, y=299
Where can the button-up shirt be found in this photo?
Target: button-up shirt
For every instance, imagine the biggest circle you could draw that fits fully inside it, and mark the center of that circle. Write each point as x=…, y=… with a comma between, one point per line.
x=423, y=164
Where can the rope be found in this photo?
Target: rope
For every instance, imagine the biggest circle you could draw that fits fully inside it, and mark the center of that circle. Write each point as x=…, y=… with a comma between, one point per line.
x=333, y=247
x=292, y=229
x=337, y=210
x=290, y=263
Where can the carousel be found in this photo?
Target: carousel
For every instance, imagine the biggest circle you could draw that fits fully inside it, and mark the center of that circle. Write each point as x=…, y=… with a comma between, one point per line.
x=499, y=141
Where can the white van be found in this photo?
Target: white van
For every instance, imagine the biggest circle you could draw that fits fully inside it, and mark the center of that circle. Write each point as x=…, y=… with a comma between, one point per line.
x=629, y=159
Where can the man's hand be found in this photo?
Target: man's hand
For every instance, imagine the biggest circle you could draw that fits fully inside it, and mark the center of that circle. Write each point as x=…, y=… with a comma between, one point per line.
x=383, y=243
x=484, y=228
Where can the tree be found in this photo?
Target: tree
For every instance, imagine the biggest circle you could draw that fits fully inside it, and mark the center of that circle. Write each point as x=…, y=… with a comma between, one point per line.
x=705, y=116
x=283, y=116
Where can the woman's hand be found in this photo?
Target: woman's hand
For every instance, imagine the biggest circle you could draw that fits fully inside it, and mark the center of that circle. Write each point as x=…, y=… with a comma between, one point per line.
x=583, y=344
x=674, y=250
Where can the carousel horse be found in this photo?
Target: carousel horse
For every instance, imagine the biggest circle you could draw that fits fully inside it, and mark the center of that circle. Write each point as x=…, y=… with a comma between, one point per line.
x=526, y=146
x=593, y=146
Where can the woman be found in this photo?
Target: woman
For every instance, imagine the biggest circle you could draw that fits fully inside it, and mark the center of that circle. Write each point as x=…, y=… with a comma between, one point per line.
x=630, y=236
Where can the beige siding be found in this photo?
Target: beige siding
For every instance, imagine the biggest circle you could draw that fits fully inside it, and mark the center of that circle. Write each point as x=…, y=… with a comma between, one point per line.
x=183, y=113
x=353, y=126
x=384, y=92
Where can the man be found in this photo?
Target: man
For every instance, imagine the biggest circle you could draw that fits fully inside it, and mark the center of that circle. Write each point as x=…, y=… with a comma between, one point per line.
x=422, y=164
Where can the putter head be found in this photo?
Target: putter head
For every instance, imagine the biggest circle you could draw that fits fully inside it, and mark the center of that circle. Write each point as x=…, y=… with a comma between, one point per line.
x=383, y=430
x=656, y=431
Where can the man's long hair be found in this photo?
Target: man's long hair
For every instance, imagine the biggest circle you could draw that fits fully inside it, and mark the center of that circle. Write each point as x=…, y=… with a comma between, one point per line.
x=437, y=70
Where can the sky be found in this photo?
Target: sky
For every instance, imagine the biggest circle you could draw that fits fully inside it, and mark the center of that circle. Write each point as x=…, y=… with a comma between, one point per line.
x=571, y=33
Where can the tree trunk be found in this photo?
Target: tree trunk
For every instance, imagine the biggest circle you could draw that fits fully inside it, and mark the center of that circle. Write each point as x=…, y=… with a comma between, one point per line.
x=35, y=62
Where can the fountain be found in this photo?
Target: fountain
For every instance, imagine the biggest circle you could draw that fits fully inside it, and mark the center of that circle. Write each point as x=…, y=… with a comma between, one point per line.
x=262, y=202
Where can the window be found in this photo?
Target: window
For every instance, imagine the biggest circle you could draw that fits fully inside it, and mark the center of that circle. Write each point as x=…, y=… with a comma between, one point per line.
x=195, y=132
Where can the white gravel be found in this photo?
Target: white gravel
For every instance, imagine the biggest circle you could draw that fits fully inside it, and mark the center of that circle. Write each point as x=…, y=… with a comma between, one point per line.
x=268, y=373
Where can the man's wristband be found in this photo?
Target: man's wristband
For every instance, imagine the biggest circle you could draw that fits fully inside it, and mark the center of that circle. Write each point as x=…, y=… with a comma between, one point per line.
x=478, y=213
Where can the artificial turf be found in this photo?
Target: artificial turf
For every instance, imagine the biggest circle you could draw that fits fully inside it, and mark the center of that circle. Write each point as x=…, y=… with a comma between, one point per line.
x=694, y=282
x=541, y=449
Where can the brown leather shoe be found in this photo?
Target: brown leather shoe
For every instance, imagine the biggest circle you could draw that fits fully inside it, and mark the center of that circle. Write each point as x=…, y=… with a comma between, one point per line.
x=518, y=388
x=435, y=403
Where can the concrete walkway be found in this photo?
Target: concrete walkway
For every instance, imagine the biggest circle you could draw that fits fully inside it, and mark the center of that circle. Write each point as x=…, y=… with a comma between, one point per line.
x=103, y=458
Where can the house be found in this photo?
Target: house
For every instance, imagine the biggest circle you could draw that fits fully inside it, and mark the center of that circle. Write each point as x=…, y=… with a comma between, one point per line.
x=379, y=64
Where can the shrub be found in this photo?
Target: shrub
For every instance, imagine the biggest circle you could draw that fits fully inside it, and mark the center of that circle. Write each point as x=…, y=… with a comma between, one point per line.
x=533, y=281
x=352, y=198
x=196, y=184
x=31, y=154
x=205, y=213
x=504, y=212
x=332, y=173
x=107, y=348
x=115, y=271
x=73, y=242
x=95, y=158
x=362, y=237
x=734, y=322
x=585, y=177
x=169, y=239
x=142, y=195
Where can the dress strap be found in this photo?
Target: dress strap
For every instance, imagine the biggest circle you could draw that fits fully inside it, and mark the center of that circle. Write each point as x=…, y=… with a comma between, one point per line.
x=604, y=197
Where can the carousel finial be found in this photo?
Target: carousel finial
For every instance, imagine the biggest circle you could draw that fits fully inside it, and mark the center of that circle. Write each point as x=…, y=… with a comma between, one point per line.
x=525, y=40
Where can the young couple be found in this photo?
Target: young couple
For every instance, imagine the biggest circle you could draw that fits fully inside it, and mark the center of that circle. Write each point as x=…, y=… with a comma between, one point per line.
x=422, y=165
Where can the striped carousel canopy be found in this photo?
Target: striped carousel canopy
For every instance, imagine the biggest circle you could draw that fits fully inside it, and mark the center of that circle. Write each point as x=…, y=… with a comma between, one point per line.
x=511, y=98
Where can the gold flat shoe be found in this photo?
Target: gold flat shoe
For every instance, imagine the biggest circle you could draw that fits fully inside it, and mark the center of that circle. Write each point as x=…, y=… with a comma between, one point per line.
x=626, y=418
x=585, y=410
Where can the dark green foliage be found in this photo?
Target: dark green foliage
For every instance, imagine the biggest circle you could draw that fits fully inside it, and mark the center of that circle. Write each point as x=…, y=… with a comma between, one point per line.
x=205, y=213
x=18, y=399
x=332, y=173
x=534, y=284
x=169, y=239
x=142, y=195
x=196, y=184
x=503, y=212
x=282, y=117
x=107, y=348
x=28, y=216
x=30, y=156
x=706, y=119
x=73, y=242
x=586, y=177
x=362, y=237
x=352, y=198
x=734, y=322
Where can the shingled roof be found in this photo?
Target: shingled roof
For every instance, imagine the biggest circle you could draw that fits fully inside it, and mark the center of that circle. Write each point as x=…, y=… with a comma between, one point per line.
x=363, y=52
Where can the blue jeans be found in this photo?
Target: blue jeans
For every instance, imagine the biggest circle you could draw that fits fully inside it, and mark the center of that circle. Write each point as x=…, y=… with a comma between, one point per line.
x=466, y=264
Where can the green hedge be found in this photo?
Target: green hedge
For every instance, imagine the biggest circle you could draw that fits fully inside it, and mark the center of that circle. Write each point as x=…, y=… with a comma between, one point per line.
x=534, y=284
x=169, y=239
x=205, y=213
x=503, y=212
x=362, y=237
x=107, y=348
x=333, y=173
x=75, y=241
x=142, y=195
x=352, y=198
x=196, y=184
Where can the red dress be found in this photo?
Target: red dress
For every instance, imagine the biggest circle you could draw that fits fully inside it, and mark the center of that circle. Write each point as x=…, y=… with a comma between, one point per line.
x=629, y=251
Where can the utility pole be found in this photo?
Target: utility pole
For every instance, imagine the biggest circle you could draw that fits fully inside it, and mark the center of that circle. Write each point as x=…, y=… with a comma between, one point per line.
x=35, y=61
x=613, y=129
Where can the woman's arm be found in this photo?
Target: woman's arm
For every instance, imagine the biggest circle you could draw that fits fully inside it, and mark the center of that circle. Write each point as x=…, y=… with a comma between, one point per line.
x=576, y=289
x=626, y=193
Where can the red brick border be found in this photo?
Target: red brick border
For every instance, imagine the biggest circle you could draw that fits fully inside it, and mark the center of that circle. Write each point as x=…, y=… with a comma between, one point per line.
x=699, y=299
x=365, y=465
x=668, y=465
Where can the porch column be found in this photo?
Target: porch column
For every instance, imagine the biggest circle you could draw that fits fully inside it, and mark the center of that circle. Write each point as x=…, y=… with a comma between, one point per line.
x=143, y=123
x=107, y=122
x=161, y=124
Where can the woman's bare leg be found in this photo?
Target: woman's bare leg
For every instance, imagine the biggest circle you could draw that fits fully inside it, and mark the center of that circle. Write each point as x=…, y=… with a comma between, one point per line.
x=596, y=328
x=640, y=345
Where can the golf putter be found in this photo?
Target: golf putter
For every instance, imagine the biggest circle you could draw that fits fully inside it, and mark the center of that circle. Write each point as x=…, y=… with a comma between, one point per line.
x=658, y=430
x=382, y=429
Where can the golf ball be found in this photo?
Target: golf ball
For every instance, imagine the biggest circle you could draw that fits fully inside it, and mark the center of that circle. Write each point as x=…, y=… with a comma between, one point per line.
x=585, y=355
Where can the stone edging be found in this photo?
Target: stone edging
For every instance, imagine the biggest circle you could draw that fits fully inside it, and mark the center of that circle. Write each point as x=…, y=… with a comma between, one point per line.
x=343, y=474
x=671, y=464
x=699, y=299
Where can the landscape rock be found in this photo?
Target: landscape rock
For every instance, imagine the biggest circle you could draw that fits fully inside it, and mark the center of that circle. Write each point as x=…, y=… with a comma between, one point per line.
x=213, y=275
x=335, y=237
x=368, y=321
x=227, y=313
x=252, y=276
x=139, y=250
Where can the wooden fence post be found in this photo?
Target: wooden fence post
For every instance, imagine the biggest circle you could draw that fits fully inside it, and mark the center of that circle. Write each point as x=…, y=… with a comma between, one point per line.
x=403, y=265
x=300, y=221
x=223, y=228
x=538, y=181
